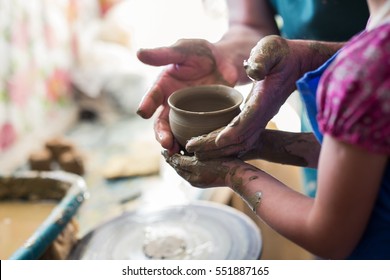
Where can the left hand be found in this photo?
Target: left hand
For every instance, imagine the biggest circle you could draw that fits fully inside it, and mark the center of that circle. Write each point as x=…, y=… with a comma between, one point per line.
x=204, y=174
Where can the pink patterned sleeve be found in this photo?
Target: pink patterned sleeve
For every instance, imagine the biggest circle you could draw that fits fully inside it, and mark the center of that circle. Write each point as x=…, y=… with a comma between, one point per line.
x=354, y=93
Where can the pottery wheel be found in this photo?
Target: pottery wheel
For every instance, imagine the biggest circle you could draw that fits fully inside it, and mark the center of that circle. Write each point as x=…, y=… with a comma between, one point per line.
x=195, y=231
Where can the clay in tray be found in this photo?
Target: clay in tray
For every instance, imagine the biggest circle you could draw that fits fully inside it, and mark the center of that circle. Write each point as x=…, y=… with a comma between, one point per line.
x=54, y=237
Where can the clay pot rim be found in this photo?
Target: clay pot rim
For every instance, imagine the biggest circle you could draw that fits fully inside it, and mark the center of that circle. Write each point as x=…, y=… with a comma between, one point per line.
x=205, y=87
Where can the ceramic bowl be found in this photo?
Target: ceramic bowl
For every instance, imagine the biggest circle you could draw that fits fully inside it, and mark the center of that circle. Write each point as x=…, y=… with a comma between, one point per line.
x=202, y=109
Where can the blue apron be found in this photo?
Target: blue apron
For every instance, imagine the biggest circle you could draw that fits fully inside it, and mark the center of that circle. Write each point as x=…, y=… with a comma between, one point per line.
x=307, y=87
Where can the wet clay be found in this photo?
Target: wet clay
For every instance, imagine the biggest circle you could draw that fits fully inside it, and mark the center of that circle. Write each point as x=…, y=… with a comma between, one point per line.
x=198, y=173
x=254, y=200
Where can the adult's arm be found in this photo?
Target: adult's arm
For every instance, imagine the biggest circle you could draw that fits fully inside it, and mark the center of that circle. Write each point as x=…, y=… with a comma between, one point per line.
x=249, y=22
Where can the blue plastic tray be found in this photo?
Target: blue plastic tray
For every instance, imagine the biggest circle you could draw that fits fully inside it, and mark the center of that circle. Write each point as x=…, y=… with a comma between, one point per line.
x=69, y=189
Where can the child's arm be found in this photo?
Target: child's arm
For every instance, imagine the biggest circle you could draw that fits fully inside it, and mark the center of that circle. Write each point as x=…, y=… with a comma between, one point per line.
x=300, y=149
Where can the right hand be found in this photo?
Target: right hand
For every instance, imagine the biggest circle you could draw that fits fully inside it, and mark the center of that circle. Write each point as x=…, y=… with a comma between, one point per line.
x=275, y=64
x=274, y=67
x=190, y=62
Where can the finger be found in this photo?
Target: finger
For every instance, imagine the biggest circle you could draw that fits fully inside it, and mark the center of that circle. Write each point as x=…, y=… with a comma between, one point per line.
x=175, y=162
x=162, y=130
x=151, y=101
x=230, y=140
x=264, y=56
x=254, y=70
x=205, y=147
x=241, y=127
x=228, y=151
x=184, y=165
x=204, y=142
x=180, y=162
x=160, y=56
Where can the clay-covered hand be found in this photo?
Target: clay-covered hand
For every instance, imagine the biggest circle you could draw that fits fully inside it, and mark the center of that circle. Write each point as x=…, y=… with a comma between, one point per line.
x=204, y=174
x=205, y=147
x=284, y=147
x=275, y=64
x=189, y=62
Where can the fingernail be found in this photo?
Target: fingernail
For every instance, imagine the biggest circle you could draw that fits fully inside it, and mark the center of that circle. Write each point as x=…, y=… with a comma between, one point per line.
x=141, y=113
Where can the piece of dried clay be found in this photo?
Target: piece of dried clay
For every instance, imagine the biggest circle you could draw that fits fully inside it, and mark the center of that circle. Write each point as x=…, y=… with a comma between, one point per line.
x=254, y=200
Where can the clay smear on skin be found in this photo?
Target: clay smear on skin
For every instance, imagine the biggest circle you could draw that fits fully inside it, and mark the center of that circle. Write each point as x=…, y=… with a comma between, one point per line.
x=285, y=146
x=254, y=200
x=202, y=51
x=237, y=183
x=218, y=175
x=321, y=49
x=273, y=47
x=194, y=170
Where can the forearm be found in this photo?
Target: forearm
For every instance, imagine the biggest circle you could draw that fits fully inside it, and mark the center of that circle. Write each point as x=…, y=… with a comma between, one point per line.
x=283, y=209
x=274, y=54
x=300, y=149
x=288, y=212
x=318, y=52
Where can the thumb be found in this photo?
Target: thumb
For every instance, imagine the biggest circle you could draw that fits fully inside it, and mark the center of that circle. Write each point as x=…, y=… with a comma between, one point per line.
x=228, y=135
x=243, y=128
x=268, y=52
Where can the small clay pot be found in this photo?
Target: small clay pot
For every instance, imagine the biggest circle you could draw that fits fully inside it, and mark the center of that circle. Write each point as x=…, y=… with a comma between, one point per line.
x=202, y=109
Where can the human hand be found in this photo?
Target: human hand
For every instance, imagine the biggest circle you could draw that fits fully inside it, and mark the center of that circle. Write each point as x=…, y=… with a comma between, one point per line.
x=209, y=150
x=204, y=174
x=189, y=62
x=274, y=65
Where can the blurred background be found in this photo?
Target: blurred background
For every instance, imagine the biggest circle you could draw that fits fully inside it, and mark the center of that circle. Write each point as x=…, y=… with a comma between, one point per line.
x=52, y=48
